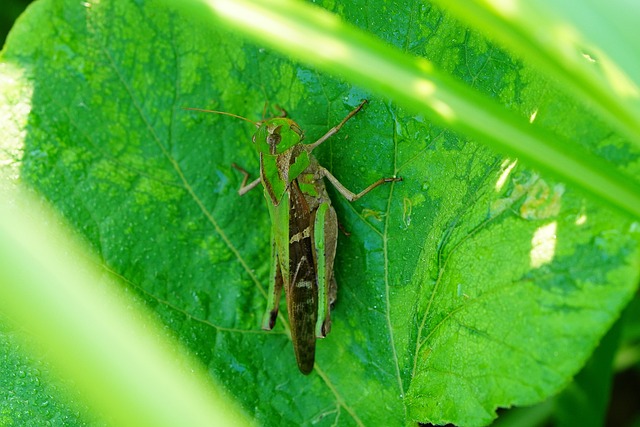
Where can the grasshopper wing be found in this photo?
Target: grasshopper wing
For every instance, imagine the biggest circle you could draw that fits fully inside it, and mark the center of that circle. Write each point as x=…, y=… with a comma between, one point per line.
x=302, y=290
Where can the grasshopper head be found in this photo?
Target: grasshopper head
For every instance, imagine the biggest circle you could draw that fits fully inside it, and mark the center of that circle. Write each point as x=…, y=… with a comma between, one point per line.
x=275, y=136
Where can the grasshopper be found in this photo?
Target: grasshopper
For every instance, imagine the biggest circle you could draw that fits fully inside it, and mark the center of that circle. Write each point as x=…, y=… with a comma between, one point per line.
x=304, y=228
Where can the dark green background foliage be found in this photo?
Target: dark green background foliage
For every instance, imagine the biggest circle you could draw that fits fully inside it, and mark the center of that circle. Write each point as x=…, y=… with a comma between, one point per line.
x=9, y=12
x=473, y=284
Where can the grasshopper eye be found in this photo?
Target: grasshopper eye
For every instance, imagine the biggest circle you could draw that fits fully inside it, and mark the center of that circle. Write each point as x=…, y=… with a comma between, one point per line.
x=273, y=139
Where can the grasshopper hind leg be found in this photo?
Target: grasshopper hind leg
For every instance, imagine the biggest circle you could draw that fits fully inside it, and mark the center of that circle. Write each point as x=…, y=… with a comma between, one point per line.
x=332, y=296
x=325, y=236
x=275, y=290
x=333, y=293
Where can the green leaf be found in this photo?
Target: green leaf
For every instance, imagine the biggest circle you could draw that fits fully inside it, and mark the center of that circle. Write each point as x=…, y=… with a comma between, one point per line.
x=586, y=399
x=473, y=284
x=629, y=354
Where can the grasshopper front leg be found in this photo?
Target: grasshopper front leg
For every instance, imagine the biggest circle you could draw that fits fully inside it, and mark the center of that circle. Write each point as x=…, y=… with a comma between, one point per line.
x=350, y=195
x=244, y=187
x=336, y=128
x=322, y=172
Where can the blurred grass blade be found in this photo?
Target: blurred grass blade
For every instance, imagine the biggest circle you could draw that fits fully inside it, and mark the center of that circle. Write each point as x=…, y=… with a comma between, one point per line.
x=319, y=38
x=108, y=347
x=583, y=45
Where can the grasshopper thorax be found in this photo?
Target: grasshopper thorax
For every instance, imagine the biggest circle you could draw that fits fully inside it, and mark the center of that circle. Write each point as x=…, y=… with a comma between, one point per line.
x=275, y=136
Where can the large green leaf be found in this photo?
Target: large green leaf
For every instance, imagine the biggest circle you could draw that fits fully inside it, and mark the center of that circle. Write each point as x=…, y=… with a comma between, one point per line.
x=473, y=284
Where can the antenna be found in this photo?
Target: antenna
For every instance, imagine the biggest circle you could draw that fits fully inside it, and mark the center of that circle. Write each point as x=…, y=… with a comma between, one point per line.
x=224, y=113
